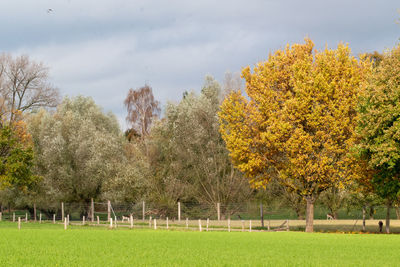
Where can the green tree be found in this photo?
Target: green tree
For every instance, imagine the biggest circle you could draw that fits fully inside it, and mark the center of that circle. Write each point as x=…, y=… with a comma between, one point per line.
x=16, y=161
x=189, y=155
x=78, y=148
x=379, y=128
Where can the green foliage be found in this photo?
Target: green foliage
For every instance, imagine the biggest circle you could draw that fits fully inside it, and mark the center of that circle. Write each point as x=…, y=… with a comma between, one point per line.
x=188, y=155
x=16, y=161
x=379, y=126
x=78, y=148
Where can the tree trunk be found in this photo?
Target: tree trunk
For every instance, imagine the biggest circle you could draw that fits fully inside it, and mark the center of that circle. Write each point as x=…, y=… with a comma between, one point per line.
x=363, y=216
x=371, y=212
x=387, y=225
x=34, y=211
x=310, y=214
x=397, y=212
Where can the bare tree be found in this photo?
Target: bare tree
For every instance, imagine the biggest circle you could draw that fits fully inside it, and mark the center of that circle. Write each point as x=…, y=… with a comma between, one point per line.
x=232, y=82
x=24, y=85
x=142, y=109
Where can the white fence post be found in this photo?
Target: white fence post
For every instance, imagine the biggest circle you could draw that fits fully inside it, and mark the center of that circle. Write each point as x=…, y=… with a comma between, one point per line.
x=98, y=220
x=131, y=221
x=13, y=216
x=68, y=219
x=179, y=211
x=250, y=226
x=219, y=211
x=26, y=217
x=111, y=225
x=62, y=210
x=65, y=223
x=40, y=218
x=208, y=221
x=54, y=218
x=200, y=225
x=143, y=211
x=108, y=210
x=167, y=224
x=19, y=223
x=83, y=220
x=229, y=225
x=155, y=224
x=1, y=215
x=187, y=223
x=269, y=225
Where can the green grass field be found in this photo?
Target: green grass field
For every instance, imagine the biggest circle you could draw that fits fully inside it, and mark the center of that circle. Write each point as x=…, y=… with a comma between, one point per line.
x=51, y=245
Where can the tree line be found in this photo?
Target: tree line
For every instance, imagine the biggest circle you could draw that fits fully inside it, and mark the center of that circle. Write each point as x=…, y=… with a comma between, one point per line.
x=306, y=126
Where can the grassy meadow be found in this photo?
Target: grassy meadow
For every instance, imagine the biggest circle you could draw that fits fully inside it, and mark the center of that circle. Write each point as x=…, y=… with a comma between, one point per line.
x=50, y=245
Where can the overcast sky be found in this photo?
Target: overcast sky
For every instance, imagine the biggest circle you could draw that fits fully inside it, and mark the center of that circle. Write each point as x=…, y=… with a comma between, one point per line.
x=101, y=48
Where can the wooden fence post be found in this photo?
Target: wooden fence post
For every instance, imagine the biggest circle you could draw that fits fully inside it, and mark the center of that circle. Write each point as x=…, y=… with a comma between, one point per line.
x=219, y=211
x=26, y=217
x=34, y=211
x=167, y=224
x=13, y=216
x=54, y=218
x=62, y=210
x=155, y=224
x=108, y=210
x=40, y=218
x=179, y=211
x=187, y=223
x=143, y=211
x=208, y=221
x=229, y=224
x=19, y=223
x=250, y=226
x=262, y=215
x=363, y=217
x=98, y=220
x=65, y=223
x=92, y=209
x=242, y=225
x=200, y=225
x=131, y=221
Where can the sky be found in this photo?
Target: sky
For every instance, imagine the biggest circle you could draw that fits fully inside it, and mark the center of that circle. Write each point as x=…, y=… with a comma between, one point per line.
x=102, y=48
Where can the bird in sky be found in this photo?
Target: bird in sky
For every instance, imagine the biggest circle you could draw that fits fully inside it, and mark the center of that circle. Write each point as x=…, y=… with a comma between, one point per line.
x=49, y=10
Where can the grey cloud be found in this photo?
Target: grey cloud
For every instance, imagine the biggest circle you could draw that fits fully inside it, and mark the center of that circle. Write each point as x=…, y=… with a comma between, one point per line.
x=103, y=48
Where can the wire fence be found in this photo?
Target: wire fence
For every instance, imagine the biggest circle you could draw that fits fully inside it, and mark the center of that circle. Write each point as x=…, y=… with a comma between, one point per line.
x=193, y=216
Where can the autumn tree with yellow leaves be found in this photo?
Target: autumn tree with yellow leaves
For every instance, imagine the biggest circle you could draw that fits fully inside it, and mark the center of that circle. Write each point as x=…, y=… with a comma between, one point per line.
x=297, y=119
